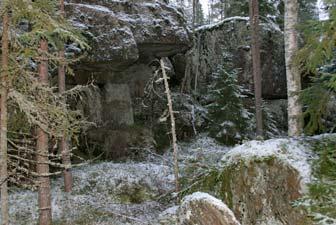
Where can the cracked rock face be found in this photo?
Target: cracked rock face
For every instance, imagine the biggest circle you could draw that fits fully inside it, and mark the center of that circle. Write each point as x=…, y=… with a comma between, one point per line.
x=125, y=37
x=123, y=32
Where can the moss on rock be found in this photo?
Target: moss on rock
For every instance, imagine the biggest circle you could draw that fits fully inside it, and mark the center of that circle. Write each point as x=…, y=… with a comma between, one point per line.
x=260, y=189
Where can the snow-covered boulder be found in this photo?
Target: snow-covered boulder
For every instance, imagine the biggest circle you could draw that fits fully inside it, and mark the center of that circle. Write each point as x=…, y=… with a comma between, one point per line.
x=204, y=209
x=121, y=32
x=261, y=179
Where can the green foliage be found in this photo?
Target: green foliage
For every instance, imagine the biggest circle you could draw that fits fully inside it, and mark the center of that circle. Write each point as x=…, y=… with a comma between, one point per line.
x=38, y=104
x=316, y=59
x=270, y=10
x=199, y=17
x=321, y=199
x=320, y=43
x=269, y=123
x=317, y=112
x=229, y=119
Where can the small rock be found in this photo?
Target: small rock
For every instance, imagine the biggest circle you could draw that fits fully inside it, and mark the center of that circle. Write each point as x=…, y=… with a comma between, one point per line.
x=203, y=209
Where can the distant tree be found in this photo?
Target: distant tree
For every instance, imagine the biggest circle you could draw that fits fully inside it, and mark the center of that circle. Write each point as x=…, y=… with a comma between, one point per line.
x=229, y=119
x=64, y=145
x=255, y=46
x=197, y=14
x=317, y=59
x=295, y=120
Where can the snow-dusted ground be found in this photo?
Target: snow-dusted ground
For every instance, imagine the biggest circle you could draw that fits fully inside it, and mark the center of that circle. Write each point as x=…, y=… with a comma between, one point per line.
x=128, y=193
x=104, y=193
x=115, y=193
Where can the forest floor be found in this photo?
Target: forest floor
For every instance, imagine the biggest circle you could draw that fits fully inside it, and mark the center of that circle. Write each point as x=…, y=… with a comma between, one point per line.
x=128, y=193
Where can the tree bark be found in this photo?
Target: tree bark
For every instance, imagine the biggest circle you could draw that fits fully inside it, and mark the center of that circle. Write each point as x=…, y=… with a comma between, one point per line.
x=64, y=145
x=295, y=121
x=193, y=16
x=173, y=126
x=42, y=167
x=255, y=48
x=3, y=119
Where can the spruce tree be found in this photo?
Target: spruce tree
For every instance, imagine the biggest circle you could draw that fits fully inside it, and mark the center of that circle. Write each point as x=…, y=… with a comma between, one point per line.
x=228, y=117
x=42, y=109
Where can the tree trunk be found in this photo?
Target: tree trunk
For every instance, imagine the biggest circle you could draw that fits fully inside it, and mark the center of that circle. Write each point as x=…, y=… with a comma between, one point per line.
x=3, y=119
x=254, y=21
x=42, y=167
x=295, y=121
x=64, y=145
x=173, y=127
x=193, y=16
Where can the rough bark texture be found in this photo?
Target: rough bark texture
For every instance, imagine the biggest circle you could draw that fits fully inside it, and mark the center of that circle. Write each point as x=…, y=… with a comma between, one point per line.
x=3, y=121
x=64, y=145
x=295, y=122
x=173, y=127
x=42, y=167
x=254, y=21
x=203, y=209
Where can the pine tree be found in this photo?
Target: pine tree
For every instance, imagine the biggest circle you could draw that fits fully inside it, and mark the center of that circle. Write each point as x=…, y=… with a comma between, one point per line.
x=64, y=145
x=228, y=117
x=3, y=114
x=41, y=108
x=318, y=60
x=254, y=21
x=42, y=168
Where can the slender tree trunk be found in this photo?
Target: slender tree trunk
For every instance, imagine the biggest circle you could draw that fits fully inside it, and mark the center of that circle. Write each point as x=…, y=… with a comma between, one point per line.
x=3, y=119
x=254, y=21
x=295, y=121
x=42, y=167
x=193, y=16
x=64, y=145
x=173, y=127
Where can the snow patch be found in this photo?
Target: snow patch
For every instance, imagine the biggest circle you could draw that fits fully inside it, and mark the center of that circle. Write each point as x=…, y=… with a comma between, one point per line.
x=94, y=7
x=218, y=24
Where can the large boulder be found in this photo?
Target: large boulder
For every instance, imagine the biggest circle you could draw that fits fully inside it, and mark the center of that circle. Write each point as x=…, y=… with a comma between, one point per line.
x=125, y=38
x=228, y=42
x=123, y=32
x=260, y=180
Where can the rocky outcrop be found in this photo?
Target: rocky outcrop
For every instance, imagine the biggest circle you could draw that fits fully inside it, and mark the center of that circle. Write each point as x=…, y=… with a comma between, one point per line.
x=229, y=42
x=122, y=33
x=125, y=37
x=203, y=209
